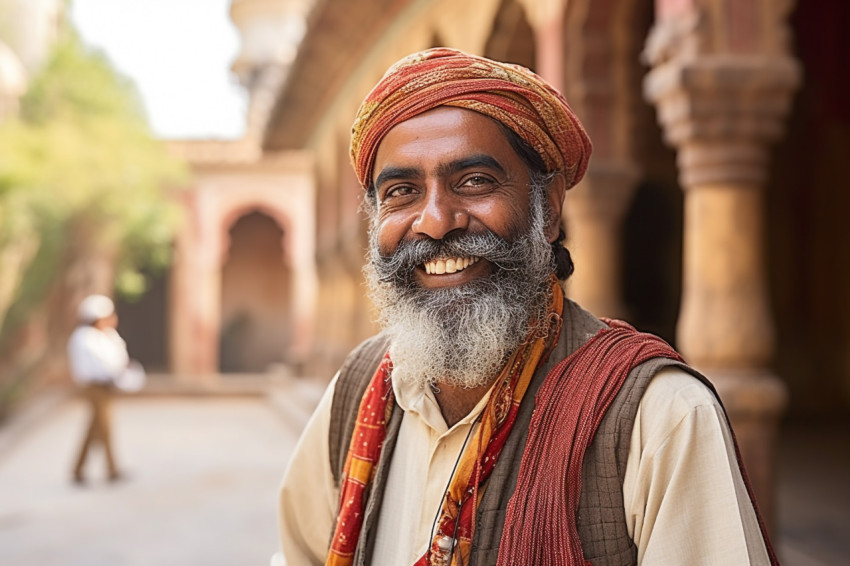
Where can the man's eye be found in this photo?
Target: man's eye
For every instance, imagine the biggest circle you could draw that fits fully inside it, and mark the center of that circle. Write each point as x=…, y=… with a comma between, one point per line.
x=399, y=191
x=475, y=181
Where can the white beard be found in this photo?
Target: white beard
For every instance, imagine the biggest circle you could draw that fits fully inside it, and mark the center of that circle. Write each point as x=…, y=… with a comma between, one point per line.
x=462, y=336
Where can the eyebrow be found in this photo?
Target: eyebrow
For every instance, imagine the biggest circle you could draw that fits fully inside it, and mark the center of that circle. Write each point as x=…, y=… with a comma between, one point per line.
x=395, y=173
x=478, y=160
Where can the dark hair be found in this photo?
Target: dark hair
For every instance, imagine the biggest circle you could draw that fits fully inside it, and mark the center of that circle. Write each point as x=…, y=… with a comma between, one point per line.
x=564, y=266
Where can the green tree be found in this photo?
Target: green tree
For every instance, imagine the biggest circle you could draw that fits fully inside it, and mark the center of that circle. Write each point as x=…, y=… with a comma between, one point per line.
x=86, y=201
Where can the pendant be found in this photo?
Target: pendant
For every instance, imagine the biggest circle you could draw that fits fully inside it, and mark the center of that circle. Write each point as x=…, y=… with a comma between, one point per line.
x=442, y=551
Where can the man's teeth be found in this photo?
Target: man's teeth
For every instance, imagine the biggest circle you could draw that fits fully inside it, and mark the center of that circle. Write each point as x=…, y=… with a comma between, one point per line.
x=452, y=265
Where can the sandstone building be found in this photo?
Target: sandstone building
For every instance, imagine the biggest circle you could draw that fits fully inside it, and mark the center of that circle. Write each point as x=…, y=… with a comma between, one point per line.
x=713, y=212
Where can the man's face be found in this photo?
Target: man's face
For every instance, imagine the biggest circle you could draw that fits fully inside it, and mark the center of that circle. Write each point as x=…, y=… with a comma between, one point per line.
x=443, y=173
x=105, y=323
x=460, y=263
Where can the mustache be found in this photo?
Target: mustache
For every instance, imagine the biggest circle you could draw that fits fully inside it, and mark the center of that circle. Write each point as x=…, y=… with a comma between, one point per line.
x=398, y=266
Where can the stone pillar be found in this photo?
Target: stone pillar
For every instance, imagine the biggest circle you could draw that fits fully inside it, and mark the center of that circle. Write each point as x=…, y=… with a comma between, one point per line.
x=721, y=105
x=594, y=213
x=598, y=57
x=195, y=296
x=547, y=19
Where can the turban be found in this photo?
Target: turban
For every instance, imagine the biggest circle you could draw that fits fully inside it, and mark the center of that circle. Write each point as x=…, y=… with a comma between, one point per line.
x=94, y=308
x=509, y=94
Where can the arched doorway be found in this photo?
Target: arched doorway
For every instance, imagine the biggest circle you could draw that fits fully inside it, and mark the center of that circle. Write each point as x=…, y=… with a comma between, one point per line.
x=256, y=288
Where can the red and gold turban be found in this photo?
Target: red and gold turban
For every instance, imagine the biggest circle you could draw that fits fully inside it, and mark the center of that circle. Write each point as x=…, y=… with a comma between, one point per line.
x=510, y=94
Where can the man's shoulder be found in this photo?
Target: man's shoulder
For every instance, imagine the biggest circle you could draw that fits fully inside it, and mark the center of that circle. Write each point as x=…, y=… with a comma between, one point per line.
x=83, y=330
x=675, y=390
x=673, y=397
x=356, y=372
x=351, y=381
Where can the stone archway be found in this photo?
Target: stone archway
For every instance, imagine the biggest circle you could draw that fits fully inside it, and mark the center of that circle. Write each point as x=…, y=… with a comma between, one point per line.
x=256, y=296
x=281, y=187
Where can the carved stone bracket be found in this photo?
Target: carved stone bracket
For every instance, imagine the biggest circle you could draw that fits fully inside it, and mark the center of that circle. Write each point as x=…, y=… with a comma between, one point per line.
x=721, y=112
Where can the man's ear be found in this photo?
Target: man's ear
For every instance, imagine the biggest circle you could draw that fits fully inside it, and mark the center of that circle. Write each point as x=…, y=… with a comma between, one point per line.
x=555, y=191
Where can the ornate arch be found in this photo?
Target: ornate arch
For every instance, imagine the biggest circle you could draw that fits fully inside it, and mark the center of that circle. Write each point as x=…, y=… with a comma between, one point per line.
x=231, y=216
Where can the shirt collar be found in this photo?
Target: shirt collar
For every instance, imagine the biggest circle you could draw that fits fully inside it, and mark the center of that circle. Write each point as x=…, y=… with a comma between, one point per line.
x=419, y=400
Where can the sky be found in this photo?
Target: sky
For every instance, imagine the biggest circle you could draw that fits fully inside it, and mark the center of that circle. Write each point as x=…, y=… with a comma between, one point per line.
x=178, y=52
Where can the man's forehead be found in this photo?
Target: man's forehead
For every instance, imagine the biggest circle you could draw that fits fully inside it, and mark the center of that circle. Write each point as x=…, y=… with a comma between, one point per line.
x=444, y=140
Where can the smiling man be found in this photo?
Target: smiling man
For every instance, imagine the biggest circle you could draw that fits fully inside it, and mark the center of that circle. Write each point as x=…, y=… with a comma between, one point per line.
x=493, y=421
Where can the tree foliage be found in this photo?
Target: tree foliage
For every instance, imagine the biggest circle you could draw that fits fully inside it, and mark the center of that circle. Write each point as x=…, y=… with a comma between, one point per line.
x=80, y=154
x=81, y=151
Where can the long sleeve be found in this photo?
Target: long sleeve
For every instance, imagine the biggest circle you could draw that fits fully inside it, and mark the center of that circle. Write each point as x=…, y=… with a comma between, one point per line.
x=96, y=356
x=308, y=496
x=685, y=500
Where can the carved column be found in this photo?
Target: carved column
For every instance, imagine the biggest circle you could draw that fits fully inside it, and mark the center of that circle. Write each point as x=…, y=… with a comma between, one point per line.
x=594, y=211
x=195, y=293
x=547, y=19
x=600, y=49
x=721, y=104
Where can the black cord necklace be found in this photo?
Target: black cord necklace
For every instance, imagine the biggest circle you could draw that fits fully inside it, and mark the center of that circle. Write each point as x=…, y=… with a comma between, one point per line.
x=451, y=548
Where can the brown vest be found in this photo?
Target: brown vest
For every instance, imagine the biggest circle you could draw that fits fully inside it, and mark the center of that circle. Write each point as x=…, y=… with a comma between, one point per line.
x=601, y=518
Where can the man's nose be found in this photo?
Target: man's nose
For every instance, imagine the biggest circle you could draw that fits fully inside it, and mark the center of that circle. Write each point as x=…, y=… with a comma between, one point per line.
x=441, y=213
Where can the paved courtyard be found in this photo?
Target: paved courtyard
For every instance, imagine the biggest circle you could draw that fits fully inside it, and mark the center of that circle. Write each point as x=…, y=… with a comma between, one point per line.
x=203, y=475
x=202, y=478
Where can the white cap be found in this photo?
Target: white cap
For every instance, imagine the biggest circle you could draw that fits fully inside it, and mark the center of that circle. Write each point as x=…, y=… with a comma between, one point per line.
x=95, y=307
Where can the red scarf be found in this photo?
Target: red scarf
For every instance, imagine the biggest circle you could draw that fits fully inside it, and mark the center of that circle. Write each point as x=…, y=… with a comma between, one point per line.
x=540, y=525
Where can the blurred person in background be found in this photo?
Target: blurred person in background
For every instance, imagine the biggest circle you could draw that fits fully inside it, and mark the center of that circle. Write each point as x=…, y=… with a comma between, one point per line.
x=99, y=364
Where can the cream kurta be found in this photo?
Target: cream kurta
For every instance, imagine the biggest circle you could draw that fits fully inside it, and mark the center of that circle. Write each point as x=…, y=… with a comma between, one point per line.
x=684, y=498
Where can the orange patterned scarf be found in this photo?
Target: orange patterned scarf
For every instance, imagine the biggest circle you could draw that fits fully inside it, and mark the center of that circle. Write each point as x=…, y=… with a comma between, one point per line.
x=367, y=440
x=456, y=521
x=509, y=94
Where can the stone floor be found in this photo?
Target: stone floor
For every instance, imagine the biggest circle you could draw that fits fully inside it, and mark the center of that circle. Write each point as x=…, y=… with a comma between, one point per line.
x=203, y=473
x=814, y=493
x=201, y=485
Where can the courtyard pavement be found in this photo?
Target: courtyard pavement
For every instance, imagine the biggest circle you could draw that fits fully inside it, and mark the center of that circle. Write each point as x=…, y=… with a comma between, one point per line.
x=202, y=478
x=203, y=473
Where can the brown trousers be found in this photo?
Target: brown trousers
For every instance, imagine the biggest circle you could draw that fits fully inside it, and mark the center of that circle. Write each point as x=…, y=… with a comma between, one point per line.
x=99, y=397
